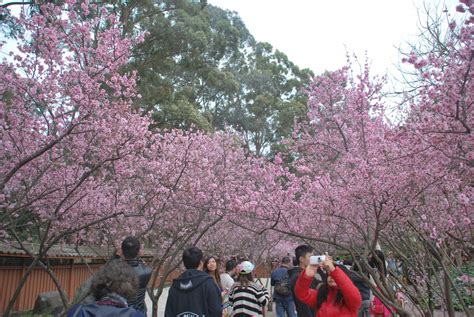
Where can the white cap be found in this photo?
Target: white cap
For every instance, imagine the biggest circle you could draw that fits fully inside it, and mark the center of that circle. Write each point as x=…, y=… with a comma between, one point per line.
x=246, y=267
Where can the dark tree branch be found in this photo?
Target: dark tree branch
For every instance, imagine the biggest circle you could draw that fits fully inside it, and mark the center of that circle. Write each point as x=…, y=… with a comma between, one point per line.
x=6, y=5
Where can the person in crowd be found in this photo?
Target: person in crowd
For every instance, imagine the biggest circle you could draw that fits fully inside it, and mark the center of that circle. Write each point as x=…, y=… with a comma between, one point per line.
x=391, y=263
x=111, y=286
x=247, y=297
x=275, y=263
x=348, y=264
x=363, y=287
x=301, y=260
x=227, y=278
x=400, y=267
x=211, y=267
x=193, y=293
x=377, y=260
x=282, y=290
x=339, y=261
x=130, y=251
x=336, y=297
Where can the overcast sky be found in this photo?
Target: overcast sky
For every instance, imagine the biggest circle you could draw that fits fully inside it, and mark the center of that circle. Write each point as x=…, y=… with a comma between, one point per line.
x=317, y=33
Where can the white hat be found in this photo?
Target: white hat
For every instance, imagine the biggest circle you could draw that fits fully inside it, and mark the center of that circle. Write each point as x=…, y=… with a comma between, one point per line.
x=246, y=267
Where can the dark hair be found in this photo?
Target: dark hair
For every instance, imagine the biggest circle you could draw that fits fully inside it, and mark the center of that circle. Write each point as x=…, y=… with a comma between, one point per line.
x=285, y=260
x=295, y=263
x=230, y=265
x=192, y=257
x=115, y=277
x=345, y=270
x=215, y=275
x=358, y=270
x=324, y=290
x=302, y=250
x=377, y=261
x=130, y=247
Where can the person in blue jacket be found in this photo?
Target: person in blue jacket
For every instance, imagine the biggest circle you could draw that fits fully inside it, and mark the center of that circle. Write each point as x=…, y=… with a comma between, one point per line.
x=282, y=295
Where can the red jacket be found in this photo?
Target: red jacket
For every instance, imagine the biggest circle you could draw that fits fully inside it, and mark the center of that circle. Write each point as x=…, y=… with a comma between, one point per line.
x=352, y=298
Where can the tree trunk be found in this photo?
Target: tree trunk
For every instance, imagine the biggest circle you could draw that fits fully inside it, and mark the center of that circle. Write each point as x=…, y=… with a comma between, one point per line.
x=270, y=302
x=154, y=311
x=427, y=313
x=20, y=286
x=430, y=293
x=447, y=292
x=161, y=286
x=56, y=282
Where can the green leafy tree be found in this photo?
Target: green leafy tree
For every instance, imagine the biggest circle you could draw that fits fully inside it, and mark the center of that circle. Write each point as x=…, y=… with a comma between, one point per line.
x=270, y=99
x=200, y=67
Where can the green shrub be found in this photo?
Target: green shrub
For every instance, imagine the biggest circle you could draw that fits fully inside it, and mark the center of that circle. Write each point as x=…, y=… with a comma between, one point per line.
x=463, y=283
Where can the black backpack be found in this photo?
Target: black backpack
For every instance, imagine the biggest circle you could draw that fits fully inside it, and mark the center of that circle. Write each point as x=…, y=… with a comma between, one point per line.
x=282, y=287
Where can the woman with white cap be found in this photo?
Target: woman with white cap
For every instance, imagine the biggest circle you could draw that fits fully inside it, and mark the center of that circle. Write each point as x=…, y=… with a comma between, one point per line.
x=247, y=298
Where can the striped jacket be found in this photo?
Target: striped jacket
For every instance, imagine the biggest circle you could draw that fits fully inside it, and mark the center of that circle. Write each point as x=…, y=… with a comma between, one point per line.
x=248, y=301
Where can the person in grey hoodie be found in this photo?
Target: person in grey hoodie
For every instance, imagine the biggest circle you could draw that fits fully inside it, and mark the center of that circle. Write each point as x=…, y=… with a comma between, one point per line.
x=194, y=293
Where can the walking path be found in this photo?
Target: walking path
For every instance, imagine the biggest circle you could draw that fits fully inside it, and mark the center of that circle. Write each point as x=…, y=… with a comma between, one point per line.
x=164, y=296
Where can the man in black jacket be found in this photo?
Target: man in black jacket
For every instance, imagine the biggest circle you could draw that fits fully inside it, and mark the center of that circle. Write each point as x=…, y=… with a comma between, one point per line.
x=302, y=254
x=130, y=250
x=194, y=293
x=363, y=287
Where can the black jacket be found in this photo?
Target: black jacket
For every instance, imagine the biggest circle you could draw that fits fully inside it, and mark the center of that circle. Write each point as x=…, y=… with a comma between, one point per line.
x=362, y=285
x=302, y=309
x=144, y=274
x=194, y=294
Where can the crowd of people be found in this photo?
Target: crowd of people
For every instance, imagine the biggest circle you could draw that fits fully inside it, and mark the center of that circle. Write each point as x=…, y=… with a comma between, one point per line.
x=299, y=287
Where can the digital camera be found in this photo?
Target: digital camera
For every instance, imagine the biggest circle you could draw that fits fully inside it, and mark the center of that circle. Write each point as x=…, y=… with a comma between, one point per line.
x=317, y=259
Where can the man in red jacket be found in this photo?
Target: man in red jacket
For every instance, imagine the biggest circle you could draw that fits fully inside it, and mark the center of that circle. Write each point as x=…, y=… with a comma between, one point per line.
x=338, y=296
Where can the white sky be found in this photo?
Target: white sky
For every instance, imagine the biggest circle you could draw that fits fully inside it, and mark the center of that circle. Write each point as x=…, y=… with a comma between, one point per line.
x=317, y=33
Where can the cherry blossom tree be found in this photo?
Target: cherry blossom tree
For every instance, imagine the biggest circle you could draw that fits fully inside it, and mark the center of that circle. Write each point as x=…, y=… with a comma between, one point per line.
x=184, y=187
x=440, y=126
x=363, y=181
x=78, y=165
x=68, y=134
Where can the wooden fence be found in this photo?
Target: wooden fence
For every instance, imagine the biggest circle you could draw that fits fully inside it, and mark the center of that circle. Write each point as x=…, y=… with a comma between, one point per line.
x=70, y=277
